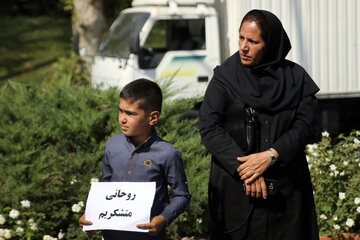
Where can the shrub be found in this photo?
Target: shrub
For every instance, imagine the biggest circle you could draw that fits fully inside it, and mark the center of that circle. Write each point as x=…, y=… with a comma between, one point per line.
x=51, y=144
x=186, y=138
x=335, y=172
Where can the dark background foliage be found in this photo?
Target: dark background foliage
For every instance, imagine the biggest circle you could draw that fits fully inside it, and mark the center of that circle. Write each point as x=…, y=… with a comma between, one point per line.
x=57, y=8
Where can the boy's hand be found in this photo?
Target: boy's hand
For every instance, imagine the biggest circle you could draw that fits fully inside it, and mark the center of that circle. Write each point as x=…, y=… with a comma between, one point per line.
x=83, y=221
x=155, y=225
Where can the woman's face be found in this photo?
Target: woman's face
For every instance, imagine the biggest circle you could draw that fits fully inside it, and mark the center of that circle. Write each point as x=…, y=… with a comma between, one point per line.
x=251, y=44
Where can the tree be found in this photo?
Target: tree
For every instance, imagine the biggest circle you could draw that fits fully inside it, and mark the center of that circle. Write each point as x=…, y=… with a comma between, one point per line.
x=88, y=23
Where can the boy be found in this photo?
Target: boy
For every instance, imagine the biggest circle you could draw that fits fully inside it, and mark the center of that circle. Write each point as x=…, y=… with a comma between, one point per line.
x=139, y=155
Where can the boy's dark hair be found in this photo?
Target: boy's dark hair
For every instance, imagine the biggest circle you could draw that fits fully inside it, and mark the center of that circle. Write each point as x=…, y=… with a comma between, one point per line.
x=146, y=90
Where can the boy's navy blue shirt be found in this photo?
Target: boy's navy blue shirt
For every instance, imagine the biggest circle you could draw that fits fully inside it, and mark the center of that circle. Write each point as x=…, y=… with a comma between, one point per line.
x=154, y=160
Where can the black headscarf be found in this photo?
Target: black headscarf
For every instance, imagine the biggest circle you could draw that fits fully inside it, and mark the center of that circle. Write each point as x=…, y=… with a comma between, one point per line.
x=273, y=85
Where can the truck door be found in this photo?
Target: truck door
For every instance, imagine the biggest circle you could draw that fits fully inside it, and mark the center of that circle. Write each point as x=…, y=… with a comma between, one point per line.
x=176, y=49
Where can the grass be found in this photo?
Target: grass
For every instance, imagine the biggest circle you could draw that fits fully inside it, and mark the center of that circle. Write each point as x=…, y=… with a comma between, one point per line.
x=29, y=46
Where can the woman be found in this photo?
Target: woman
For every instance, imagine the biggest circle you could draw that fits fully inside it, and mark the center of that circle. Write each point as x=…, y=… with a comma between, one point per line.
x=260, y=186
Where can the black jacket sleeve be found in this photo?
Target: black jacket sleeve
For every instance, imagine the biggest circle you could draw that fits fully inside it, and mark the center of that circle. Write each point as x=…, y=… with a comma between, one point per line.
x=301, y=132
x=213, y=135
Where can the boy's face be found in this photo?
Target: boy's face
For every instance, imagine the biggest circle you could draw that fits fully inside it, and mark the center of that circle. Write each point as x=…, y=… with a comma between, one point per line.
x=134, y=122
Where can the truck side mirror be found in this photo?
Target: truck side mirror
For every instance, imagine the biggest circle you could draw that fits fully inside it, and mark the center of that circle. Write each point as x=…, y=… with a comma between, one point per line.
x=134, y=43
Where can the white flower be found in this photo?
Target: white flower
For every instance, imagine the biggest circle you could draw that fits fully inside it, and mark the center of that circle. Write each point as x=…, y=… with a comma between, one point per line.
x=94, y=180
x=336, y=226
x=345, y=163
x=2, y=220
x=61, y=234
x=332, y=167
x=358, y=209
x=312, y=147
x=357, y=200
x=19, y=231
x=331, y=174
x=199, y=220
x=327, y=159
x=14, y=214
x=323, y=216
x=336, y=173
x=18, y=222
x=341, y=195
x=325, y=134
x=47, y=237
x=350, y=222
x=342, y=173
x=32, y=224
x=74, y=180
x=356, y=143
x=76, y=208
x=6, y=233
x=330, y=152
x=335, y=218
x=25, y=203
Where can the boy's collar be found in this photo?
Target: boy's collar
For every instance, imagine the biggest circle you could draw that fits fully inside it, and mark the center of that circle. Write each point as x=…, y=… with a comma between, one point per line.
x=147, y=142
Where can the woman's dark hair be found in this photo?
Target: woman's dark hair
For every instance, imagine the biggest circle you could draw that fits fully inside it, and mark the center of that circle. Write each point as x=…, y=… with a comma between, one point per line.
x=259, y=18
x=145, y=90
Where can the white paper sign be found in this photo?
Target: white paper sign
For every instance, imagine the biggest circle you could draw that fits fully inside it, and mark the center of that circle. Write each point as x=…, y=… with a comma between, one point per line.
x=119, y=205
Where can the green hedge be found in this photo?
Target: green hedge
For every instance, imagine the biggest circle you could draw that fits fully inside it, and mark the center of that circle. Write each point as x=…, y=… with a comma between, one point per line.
x=335, y=170
x=52, y=138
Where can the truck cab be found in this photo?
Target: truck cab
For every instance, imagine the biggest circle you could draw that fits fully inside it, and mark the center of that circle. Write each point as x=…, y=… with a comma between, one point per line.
x=160, y=40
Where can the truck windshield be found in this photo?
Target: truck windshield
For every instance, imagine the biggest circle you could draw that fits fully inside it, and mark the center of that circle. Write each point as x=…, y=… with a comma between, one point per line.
x=116, y=43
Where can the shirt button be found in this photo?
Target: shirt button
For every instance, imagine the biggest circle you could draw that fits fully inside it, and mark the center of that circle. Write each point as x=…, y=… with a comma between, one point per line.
x=266, y=122
x=266, y=140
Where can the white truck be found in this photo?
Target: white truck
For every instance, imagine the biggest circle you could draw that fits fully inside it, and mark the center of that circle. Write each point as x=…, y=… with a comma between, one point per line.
x=185, y=39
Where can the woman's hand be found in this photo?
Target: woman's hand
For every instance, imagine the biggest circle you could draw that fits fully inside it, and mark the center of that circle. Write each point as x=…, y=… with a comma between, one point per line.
x=256, y=188
x=155, y=225
x=254, y=165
